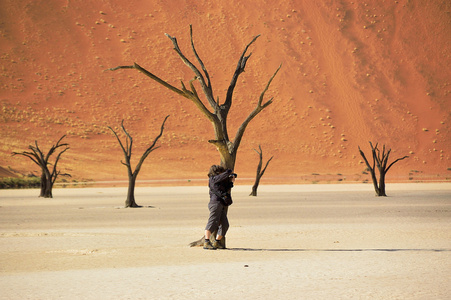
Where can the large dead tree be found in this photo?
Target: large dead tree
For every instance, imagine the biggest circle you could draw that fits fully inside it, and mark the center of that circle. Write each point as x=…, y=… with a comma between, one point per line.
x=380, y=160
x=48, y=176
x=260, y=172
x=218, y=113
x=127, y=149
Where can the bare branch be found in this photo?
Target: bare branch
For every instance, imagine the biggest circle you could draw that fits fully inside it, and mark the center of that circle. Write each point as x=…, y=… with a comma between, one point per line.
x=217, y=143
x=364, y=158
x=261, y=151
x=193, y=89
x=37, y=155
x=396, y=161
x=267, y=163
x=55, y=173
x=127, y=139
x=205, y=87
x=374, y=150
x=150, y=148
x=38, y=152
x=192, y=95
x=120, y=67
x=159, y=135
x=118, y=139
x=266, y=88
x=29, y=155
x=255, y=112
x=385, y=158
x=160, y=81
x=239, y=69
x=52, y=150
x=201, y=62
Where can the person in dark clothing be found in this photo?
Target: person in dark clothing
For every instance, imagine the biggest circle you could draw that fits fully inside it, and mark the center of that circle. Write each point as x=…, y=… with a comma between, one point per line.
x=220, y=182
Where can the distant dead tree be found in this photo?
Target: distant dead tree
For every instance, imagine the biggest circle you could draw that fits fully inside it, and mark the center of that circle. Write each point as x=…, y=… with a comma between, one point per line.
x=218, y=114
x=380, y=160
x=48, y=177
x=127, y=149
x=260, y=172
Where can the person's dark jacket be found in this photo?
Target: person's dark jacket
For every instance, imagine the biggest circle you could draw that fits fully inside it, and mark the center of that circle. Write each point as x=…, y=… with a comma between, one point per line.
x=220, y=184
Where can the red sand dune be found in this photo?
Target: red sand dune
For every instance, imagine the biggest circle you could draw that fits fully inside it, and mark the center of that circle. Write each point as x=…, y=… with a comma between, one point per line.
x=352, y=72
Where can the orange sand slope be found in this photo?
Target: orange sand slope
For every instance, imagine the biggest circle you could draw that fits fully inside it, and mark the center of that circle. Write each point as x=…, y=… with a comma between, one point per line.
x=6, y=173
x=304, y=241
x=352, y=72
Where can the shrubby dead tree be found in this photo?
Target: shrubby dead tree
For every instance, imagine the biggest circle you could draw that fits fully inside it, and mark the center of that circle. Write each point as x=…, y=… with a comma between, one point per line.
x=381, y=161
x=48, y=176
x=127, y=149
x=218, y=112
x=260, y=172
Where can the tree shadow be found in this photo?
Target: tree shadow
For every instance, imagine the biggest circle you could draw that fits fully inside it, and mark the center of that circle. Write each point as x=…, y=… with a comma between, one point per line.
x=134, y=207
x=338, y=250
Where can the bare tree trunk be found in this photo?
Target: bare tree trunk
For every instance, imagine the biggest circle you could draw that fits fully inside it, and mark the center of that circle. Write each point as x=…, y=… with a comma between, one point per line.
x=380, y=160
x=43, y=186
x=374, y=179
x=48, y=185
x=48, y=189
x=255, y=187
x=259, y=171
x=381, y=189
x=130, y=201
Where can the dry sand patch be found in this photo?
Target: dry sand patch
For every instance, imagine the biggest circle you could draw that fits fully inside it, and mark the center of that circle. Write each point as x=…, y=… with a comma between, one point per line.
x=308, y=241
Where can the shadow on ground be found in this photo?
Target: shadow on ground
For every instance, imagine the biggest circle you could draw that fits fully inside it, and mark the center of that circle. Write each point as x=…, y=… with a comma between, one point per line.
x=339, y=250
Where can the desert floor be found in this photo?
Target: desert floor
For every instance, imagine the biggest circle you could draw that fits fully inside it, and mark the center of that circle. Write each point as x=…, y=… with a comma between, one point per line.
x=290, y=242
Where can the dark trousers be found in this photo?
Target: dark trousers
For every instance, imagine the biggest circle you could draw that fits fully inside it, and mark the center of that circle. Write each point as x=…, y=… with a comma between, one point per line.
x=218, y=218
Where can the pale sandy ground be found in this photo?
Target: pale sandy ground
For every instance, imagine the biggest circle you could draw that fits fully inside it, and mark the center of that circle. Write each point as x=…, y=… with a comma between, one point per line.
x=290, y=242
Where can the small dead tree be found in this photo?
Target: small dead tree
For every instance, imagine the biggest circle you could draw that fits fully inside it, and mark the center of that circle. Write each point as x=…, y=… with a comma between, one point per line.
x=260, y=172
x=48, y=176
x=380, y=160
x=127, y=149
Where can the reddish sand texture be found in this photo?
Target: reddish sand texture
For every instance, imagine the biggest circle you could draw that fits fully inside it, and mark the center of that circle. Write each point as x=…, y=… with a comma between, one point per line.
x=352, y=72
